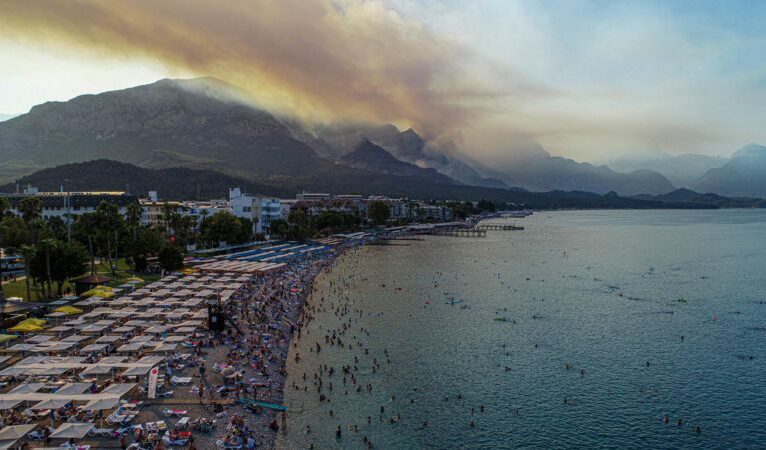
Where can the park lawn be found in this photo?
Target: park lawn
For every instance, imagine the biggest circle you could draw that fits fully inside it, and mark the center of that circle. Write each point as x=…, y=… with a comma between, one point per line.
x=18, y=288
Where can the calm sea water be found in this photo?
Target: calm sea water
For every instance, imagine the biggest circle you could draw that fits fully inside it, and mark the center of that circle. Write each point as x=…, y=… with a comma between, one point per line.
x=604, y=293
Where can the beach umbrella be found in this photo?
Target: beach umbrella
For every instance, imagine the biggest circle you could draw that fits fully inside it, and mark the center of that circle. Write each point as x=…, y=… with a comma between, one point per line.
x=68, y=310
x=7, y=337
x=29, y=325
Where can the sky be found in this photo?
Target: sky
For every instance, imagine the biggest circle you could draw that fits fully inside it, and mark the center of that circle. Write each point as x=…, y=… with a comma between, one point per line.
x=585, y=79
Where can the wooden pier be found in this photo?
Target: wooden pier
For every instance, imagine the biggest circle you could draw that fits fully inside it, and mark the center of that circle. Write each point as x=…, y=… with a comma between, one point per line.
x=493, y=226
x=460, y=232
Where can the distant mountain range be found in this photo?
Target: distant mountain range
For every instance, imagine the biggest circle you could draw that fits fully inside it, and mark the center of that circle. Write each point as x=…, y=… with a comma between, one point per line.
x=186, y=184
x=201, y=124
x=743, y=175
x=173, y=183
x=682, y=170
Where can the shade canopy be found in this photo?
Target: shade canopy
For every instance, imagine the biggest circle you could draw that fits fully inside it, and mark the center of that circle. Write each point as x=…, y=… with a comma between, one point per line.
x=15, y=431
x=72, y=430
x=7, y=337
x=100, y=404
x=29, y=325
x=68, y=310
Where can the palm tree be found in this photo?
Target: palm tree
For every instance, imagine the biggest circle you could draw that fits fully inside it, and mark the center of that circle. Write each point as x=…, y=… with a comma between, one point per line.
x=30, y=208
x=47, y=245
x=5, y=206
x=133, y=217
x=27, y=252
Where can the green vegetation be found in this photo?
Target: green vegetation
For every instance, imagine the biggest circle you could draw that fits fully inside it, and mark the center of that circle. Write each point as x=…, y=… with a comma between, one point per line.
x=225, y=227
x=52, y=257
x=378, y=212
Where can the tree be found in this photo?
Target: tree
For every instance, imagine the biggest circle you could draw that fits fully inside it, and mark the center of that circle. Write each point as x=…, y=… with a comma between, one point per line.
x=378, y=212
x=13, y=234
x=45, y=247
x=5, y=207
x=147, y=241
x=300, y=227
x=70, y=260
x=109, y=223
x=28, y=253
x=279, y=227
x=171, y=258
x=133, y=218
x=30, y=208
x=225, y=227
x=85, y=231
x=485, y=205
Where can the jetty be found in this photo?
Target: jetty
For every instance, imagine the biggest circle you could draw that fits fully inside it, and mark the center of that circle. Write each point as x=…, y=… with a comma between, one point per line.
x=497, y=226
x=460, y=232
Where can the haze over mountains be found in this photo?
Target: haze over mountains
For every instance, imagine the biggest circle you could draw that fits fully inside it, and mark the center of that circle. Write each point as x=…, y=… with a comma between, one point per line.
x=199, y=124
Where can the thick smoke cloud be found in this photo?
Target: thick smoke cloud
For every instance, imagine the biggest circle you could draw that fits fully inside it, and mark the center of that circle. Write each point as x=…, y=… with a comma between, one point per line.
x=322, y=60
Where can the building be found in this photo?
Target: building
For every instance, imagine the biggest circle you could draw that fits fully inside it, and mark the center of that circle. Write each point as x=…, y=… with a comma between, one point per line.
x=313, y=196
x=260, y=209
x=66, y=205
x=153, y=211
x=432, y=213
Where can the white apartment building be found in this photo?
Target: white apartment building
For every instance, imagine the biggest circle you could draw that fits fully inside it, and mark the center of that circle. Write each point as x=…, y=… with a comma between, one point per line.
x=260, y=209
x=67, y=205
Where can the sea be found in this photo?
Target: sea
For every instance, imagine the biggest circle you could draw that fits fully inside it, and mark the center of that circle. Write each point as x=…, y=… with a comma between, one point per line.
x=588, y=329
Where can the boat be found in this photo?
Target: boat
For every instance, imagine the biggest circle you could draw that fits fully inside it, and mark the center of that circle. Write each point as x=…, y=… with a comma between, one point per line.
x=454, y=302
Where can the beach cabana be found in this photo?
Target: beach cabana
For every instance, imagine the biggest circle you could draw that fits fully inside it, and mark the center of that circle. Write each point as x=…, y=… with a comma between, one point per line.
x=72, y=430
x=12, y=434
x=7, y=338
x=30, y=325
x=85, y=284
x=68, y=310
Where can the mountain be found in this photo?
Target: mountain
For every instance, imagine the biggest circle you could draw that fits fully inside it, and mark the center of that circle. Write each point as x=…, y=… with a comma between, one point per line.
x=689, y=196
x=106, y=175
x=203, y=124
x=187, y=120
x=183, y=184
x=537, y=170
x=744, y=175
x=406, y=146
x=681, y=170
x=374, y=158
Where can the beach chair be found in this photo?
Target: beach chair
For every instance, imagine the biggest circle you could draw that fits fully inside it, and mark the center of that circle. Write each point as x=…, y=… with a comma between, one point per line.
x=120, y=431
x=228, y=446
x=174, y=412
x=182, y=424
x=180, y=380
x=104, y=432
x=179, y=440
x=166, y=394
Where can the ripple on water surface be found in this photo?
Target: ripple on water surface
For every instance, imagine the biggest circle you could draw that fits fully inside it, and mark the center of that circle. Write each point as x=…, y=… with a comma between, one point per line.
x=612, y=320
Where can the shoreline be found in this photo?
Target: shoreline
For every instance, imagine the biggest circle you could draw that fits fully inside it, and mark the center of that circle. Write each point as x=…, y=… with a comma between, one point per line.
x=297, y=318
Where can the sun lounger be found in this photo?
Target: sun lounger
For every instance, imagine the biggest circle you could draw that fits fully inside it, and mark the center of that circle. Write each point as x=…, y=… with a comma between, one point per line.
x=228, y=446
x=120, y=431
x=180, y=380
x=175, y=412
x=101, y=432
x=166, y=394
x=182, y=423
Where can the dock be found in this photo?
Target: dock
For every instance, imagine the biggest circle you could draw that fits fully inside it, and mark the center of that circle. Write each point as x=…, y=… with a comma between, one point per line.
x=500, y=227
x=460, y=232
